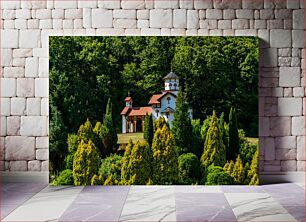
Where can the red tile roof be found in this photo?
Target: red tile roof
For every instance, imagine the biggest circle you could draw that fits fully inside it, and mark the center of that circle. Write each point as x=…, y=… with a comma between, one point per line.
x=140, y=111
x=128, y=98
x=125, y=111
x=155, y=98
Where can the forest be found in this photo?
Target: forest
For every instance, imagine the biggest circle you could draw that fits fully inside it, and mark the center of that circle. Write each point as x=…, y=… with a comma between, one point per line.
x=91, y=76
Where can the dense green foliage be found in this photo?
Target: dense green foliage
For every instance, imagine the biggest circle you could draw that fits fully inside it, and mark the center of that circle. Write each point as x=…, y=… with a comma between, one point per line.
x=196, y=136
x=138, y=169
x=181, y=126
x=233, y=141
x=110, y=169
x=148, y=129
x=216, y=72
x=188, y=168
x=64, y=178
x=217, y=176
x=160, y=123
x=214, y=150
x=165, y=165
x=85, y=163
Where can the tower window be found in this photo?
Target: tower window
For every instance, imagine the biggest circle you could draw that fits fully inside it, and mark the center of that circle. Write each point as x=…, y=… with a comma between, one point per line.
x=157, y=112
x=175, y=85
x=168, y=98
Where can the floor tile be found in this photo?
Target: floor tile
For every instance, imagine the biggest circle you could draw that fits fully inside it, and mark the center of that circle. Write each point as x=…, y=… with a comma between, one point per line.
x=242, y=189
x=291, y=199
x=149, y=203
x=203, y=207
x=257, y=207
x=98, y=203
x=47, y=205
x=197, y=189
x=298, y=212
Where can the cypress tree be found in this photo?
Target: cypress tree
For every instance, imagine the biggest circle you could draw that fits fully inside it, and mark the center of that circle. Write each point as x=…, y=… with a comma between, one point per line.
x=214, y=149
x=253, y=172
x=165, y=164
x=181, y=126
x=108, y=132
x=125, y=161
x=233, y=141
x=159, y=123
x=148, y=129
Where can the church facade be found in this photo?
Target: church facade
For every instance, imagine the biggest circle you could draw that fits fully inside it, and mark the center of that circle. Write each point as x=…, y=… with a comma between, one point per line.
x=160, y=105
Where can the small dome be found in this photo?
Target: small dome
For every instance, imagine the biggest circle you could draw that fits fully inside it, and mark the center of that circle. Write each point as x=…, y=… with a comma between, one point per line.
x=171, y=75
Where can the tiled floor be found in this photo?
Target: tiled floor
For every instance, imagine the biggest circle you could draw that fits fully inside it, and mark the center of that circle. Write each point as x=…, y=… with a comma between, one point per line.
x=39, y=202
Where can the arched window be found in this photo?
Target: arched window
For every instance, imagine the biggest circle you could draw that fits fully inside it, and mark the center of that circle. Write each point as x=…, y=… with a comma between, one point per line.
x=168, y=98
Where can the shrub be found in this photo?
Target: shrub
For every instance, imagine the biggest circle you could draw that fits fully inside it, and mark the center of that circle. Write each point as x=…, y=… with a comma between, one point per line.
x=69, y=161
x=148, y=129
x=205, y=127
x=85, y=163
x=139, y=165
x=247, y=151
x=214, y=150
x=125, y=161
x=110, y=169
x=235, y=170
x=188, y=168
x=85, y=132
x=233, y=140
x=159, y=124
x=165, y=165
x=253, y=172
x=196, y=137
x=97, y=180
x=72, y=142
x=64, y=178
x=217, y=176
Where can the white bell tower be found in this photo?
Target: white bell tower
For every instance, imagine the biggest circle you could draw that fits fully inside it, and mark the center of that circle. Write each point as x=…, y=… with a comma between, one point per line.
x=171, y=82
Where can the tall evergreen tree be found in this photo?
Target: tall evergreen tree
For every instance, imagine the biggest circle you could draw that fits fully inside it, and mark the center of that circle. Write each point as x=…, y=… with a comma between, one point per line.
x=108, y=132
x=181, y=126
x=214, y=150
x=160, y=123
x=233, y=141
x=165, y=164
x=148, y=129
x=253, y=172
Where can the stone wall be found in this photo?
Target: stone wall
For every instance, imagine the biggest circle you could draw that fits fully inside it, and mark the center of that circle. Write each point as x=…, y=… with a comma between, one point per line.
x=26, y=25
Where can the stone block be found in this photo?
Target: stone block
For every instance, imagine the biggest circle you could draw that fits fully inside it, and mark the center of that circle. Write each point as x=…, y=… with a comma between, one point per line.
x=288, y=92
x=19, y=62
x=9, y=39
x=160, y=18
x=20, y=23
x=43, y=68
x=284, y=61
x=3, y=128
x=124, y=14
x=299, y=92
x=31, y=67
x=289, y=106
x=150, y=32
x=301, y=166
x=68, y=24
x=13, y=72
x=109, y=4
x=132, y=4
x=6, y=57
x=22, y=53
x=285, y=154
x=46, y=24
x=252, y=4
x=288, y=165
x=43, y=13
x=208, y=24
x=270, y=57
x=33, y=4
x=33, y=106
x=227, y=4
x=298, y=19
x=284, y=52
x=19, y=148
x=10, y=5
x=78, y=26
x=34, y=126
x=42, y=154
x=13, y=125
x=224, y=24
x=285, y=142
x=298, y=126
x=143, y=14
x=8, y=87
x=73, y=13
x=2, y=148
x=8, y=14
x=245, y=14
x=283, y=14
x=86, y=18
x=142, y=24
x=8, y=24
x=179, y=18
x=58, y=13
x=293, y=4
x=301, y=148
x=125, y=23
x=295, y=62
x=280, y=38
x=298, y=38
x=280, y=126
x=166, y=4
x=18, y=166
x=23, y=14
x=87, y=4
x=34, y=165
x=264, y=126
x=18, y=106
x=45, y=165
x=214, y=14
x=187, y=4
x=192, y=19
x=29, y=38
x=102, y=18
x=25, y=87
x=271, y=168
x=42, y=142
x=240, y=24
x=41, y=87
x=289, y=76
x=229, y=14
x=5, y=106
x=264, y=38
x=65, y=4
x=269, y=147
